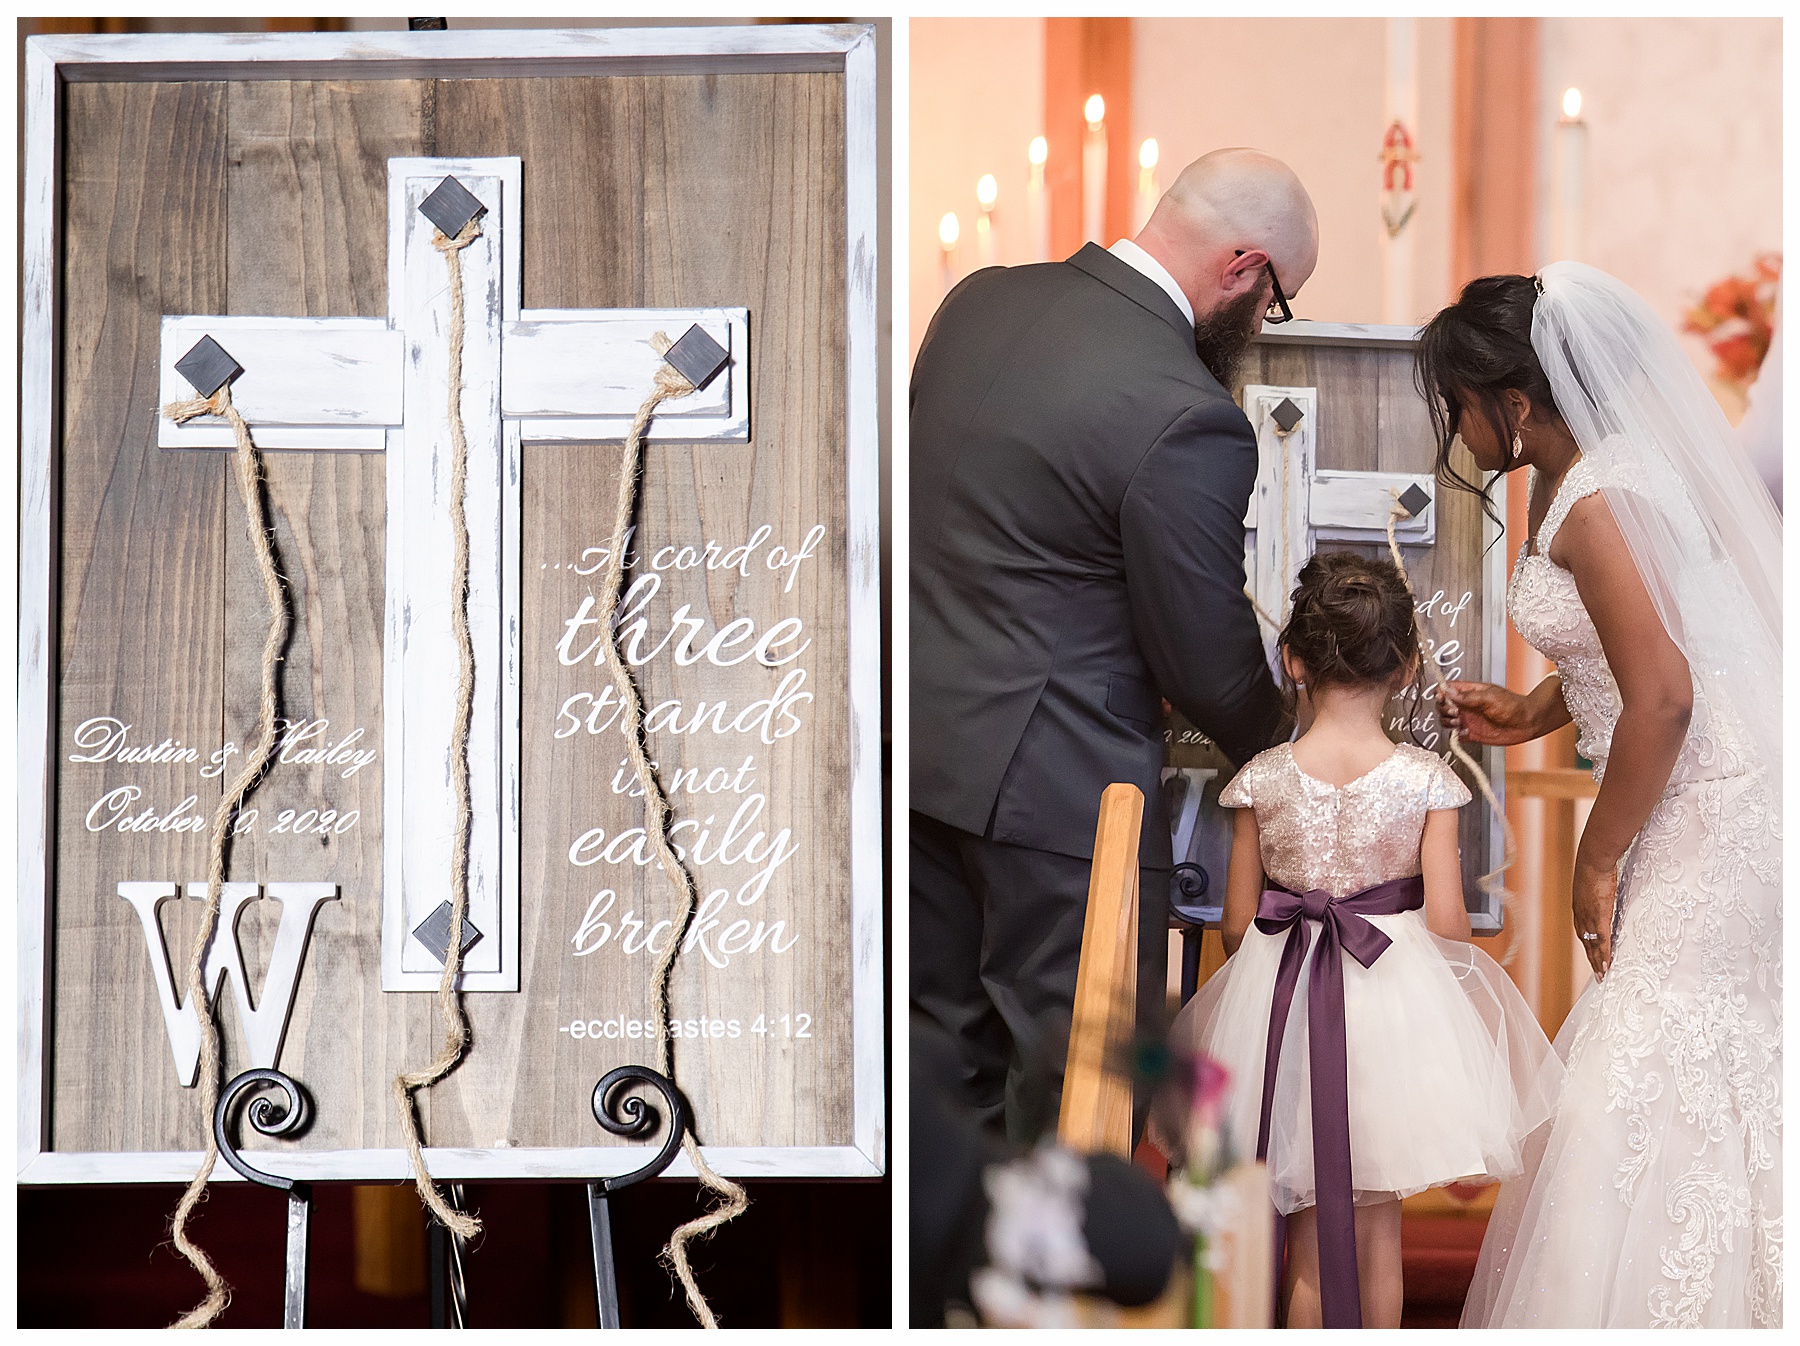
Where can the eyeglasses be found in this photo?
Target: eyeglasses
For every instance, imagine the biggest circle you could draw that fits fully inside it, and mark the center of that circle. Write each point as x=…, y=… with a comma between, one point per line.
x=1278, y=311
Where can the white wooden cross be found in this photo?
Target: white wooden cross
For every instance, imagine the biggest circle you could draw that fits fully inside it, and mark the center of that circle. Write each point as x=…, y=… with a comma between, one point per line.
x=381, y=384
x=1320, y=504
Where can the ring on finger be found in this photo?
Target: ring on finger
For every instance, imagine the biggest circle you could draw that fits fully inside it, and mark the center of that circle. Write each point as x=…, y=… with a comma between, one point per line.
x=1590, y=939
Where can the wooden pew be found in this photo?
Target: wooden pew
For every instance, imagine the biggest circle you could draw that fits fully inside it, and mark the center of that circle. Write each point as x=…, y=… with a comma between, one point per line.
x=1096, y=1099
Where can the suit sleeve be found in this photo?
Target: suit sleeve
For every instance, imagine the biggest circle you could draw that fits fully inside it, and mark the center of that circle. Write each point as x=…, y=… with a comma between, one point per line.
x=1182, y=529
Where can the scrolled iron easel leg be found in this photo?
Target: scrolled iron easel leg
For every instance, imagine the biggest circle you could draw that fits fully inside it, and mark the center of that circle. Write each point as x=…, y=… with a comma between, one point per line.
x=440, y=1265
x=449, y=1289
x=1190, y=961
x=299, y=1214
x=606, y=1281
x=268, y=1121
x=1188, y=887
x=622, y=1113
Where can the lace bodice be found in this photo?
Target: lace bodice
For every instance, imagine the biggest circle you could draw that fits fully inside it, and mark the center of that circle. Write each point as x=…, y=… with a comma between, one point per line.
x=1546, y=608
x=1343, y=838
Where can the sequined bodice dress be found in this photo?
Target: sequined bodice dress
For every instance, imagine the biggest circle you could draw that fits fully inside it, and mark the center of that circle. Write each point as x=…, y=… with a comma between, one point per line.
x=1446, y=1070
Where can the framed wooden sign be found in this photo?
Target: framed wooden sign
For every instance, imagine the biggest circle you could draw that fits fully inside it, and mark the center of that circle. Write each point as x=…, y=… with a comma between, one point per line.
x=270, y=194
x=1342, y=432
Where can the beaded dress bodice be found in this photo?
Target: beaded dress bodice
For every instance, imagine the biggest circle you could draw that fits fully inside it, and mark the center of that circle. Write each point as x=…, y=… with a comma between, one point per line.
x=1546, y=608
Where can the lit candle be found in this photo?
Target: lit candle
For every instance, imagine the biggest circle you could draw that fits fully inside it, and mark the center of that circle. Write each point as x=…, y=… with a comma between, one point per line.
x=1398, y=198
x=948, y=232
x=1093, y=171
x=987, y=191
x=1148, y=153
x=1568, y=190
x=1037, y=209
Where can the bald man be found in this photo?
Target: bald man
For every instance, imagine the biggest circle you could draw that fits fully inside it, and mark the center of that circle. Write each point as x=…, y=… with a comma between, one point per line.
x=1080, y=476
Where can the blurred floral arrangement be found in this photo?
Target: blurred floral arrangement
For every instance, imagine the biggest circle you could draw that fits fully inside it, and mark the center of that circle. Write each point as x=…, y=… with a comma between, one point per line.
x=1206, y=1207
x=1041, y=1272
x=1039, y=1255
x=1737, y=318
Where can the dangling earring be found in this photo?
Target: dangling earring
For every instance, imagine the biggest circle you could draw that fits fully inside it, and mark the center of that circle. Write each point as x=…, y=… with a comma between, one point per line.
x=1518, y=444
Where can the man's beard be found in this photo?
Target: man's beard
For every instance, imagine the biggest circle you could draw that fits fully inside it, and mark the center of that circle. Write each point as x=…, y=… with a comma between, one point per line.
x=1222, y=336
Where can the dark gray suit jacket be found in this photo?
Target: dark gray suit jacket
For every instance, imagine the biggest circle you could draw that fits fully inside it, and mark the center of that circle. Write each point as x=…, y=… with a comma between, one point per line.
x=1079, y=484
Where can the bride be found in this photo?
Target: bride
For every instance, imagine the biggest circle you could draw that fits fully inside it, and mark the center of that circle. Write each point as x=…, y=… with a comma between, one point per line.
x=1651, y=578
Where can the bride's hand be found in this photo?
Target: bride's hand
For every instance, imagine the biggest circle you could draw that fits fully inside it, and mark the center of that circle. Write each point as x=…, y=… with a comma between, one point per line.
x=1482, y=712
x=1595, y=892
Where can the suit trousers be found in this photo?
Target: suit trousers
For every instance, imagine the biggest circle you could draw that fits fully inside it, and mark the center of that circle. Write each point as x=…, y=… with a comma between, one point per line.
x=996, y=944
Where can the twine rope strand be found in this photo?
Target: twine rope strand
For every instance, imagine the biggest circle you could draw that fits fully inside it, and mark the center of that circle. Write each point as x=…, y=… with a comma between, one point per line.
x=248, y=471
x=733, y=1199
x=1489, y=882
x=1287, y=523
x=449, y=1003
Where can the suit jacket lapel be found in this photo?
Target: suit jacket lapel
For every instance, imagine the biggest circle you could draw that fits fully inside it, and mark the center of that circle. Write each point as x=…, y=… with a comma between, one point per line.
x=1134, y=285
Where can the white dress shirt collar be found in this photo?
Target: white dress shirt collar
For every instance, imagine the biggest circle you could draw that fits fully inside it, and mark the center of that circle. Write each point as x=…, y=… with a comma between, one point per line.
x=1138, y=260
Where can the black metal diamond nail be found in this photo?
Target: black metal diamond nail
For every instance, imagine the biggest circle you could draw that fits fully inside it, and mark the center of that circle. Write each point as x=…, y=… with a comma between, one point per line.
x=208, y=366
x=450, y=206
x=697, y=357
x=434, y=932
x=1286, y=415
x=1413, y=499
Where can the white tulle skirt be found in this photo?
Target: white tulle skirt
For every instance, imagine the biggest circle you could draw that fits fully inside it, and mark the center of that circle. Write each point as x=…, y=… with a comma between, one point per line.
x=1448, y=1070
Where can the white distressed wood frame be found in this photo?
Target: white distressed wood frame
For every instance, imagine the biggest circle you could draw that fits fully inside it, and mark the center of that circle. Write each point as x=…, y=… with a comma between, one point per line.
x=1369, y=336
x=52, y=62
x=1490, y=917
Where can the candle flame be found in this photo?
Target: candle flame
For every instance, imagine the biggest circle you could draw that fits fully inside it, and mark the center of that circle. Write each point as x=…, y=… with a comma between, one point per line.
x=1039, y=151
x=1572, y=103
x=1148, y=153
x=949, y=231
x=1095, y=112
x=987, y=191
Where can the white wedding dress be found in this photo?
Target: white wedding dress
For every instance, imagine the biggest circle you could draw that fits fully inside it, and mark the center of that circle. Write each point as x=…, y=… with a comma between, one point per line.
x=1653, y=1197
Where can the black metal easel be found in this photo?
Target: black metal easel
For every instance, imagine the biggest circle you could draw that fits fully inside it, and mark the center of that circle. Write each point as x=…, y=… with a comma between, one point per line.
x=629, y=1115
x=1188, y=888
x=271, y=1120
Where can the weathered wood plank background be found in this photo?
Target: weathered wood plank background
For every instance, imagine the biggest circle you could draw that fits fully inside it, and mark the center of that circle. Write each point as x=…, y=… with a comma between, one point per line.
x=1371, y=419
x=270, y=197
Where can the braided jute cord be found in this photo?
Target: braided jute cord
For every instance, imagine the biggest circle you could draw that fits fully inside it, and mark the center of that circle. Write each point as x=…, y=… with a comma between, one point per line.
x=657, y=818
x=1489, y=882
x=456, y=1030
x=248, y=465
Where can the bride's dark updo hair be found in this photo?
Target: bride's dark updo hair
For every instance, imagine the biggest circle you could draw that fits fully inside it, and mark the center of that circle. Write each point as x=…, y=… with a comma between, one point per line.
x=1469, y=355
x=1351, y=623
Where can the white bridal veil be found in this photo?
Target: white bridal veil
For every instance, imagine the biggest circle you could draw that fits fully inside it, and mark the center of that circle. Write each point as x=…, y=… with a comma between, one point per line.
x=1699, y=522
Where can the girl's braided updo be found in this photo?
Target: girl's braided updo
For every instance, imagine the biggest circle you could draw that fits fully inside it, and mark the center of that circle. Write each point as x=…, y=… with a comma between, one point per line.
x=1351, y=623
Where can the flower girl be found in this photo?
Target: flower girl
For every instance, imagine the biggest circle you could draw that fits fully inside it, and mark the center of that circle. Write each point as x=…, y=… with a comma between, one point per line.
x=1377, y=1052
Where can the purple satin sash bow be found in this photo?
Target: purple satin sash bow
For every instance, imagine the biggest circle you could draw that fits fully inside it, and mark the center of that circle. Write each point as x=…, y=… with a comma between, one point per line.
x=1341, y=929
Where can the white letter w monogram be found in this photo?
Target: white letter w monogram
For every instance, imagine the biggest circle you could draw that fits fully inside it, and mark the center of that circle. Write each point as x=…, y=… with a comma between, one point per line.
x=264, y=1025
